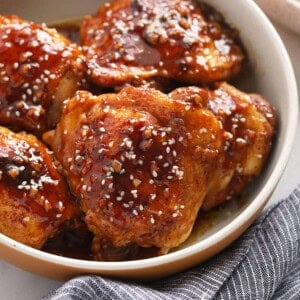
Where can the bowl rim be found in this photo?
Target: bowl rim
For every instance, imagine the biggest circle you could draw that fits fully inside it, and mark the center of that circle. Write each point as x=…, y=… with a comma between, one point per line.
x=216, y=237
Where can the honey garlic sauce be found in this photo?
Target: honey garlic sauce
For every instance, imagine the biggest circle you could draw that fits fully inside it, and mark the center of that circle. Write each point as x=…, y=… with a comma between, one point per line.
x=183, y=40
x=29, y=181
x=33, y=60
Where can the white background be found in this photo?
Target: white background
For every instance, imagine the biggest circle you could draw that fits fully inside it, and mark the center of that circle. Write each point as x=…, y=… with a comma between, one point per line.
x=18, y=284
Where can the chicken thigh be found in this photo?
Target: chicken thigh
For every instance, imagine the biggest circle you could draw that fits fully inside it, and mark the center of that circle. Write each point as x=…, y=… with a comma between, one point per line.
x=130, y=158
x=249, y=122
x=34, y=198
x=132, y=41
x=39, y=69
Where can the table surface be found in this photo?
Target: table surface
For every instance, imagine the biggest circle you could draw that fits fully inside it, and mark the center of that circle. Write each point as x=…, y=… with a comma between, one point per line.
x=19, y=284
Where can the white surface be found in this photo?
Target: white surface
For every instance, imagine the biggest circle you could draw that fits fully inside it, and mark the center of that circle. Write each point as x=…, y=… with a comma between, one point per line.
x=18, y=284
x=289, y=15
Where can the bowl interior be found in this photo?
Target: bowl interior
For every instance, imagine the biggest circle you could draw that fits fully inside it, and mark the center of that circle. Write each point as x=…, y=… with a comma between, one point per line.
x=271, y=74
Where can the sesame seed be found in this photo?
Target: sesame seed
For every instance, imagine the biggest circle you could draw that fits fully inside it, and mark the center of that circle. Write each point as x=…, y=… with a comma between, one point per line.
x=203, y=130
x=60, y=206
x=154, y=173
x=47, y=205
x=26, y=219
x=239, y=168
x=153, y=196
x=100, y=151
x=8, y=44
x=241, y=141
x=128, y=143
x=106, y=109
x=154, y=132
x=134, y=193
x=171, y=141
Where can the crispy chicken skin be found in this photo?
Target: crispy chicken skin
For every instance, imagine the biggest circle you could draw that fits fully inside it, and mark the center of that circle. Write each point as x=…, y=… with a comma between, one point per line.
x=34, y=198
x=249, y=122
x=132, y=40
x=130, y=158
x=39, y=69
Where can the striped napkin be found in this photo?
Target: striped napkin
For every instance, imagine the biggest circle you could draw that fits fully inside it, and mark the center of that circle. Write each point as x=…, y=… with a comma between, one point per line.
x=264, y=263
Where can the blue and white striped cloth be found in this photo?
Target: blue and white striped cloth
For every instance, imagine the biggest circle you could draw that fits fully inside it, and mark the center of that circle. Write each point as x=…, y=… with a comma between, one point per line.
x=262, y=264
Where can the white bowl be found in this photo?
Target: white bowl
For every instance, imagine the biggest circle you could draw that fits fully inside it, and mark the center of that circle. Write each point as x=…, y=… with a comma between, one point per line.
x=272, y=76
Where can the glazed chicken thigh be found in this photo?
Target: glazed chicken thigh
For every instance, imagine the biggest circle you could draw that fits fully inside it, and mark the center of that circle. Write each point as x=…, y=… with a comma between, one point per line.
x=39, y=69
x=248, y=122
x=132, y=41
x=130, y=158
x=34, y=198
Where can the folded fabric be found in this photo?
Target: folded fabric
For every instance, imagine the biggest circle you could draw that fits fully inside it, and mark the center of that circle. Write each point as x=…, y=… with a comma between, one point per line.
x=264, y=263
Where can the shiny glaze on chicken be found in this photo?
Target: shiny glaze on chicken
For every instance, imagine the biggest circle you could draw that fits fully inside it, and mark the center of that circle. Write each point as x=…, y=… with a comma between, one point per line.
x=248, y=121
x=39, y=69
x=34, y=198
x=130, y=158
x=136, y=40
